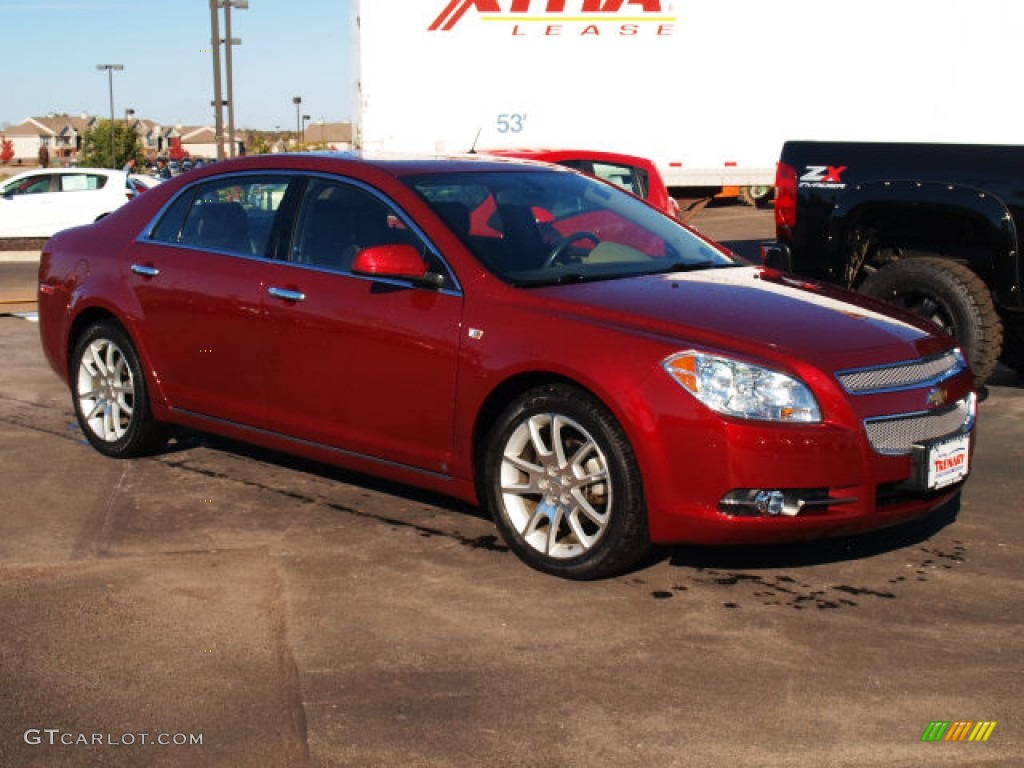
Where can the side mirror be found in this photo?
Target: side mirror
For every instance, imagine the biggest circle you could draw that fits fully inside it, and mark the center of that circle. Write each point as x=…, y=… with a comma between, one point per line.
x=775, y=255
x=398, y=262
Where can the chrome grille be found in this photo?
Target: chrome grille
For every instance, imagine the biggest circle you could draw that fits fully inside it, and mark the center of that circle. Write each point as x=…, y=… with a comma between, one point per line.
x=912, y=373
x=898, y=434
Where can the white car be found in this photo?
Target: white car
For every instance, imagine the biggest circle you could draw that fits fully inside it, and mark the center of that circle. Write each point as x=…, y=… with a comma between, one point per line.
x=42, y=202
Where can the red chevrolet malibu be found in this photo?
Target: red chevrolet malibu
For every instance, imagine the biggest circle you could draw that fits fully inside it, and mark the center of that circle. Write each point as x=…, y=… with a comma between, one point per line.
x=520, y=336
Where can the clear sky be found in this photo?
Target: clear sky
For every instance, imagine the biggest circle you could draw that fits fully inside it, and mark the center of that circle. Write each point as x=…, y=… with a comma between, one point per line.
x=289, y=48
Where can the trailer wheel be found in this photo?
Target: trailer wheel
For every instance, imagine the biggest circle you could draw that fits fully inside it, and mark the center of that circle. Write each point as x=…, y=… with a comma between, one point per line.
x=950, y=295
x=757, y=196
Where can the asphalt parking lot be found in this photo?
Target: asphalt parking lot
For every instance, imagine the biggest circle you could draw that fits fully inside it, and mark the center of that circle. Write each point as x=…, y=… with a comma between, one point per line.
x=285, y=613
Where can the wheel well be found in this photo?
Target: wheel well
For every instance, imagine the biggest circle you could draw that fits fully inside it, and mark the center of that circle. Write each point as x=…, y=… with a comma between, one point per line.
x=504, y=394
x=880, y=235
x=84, y=320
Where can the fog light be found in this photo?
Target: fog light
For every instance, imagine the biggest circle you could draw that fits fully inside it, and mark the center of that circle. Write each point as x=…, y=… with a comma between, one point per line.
x=770, y=502
x=758, y=502
x=755, y=502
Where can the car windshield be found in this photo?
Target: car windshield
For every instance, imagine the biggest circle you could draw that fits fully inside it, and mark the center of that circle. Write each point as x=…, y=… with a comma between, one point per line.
x=537, y=227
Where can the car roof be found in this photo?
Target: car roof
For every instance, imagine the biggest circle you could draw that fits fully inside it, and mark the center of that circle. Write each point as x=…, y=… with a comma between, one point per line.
x=554, y=155
x=390, y=163
x=61, y=172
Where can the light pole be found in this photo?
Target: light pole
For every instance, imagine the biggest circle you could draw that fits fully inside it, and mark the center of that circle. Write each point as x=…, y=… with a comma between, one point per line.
x=129, y=113
x=305, y=119
x=230, y=41
x=297, y=101
x=110, y=68
x=218, y=101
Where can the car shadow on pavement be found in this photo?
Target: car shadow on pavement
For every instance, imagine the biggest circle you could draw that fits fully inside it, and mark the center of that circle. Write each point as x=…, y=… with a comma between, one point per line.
x=819, y=551
x=788, y=555
x=186, y=440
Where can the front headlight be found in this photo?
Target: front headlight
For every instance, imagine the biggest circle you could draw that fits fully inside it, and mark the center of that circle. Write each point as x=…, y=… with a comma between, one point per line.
x=736, y=388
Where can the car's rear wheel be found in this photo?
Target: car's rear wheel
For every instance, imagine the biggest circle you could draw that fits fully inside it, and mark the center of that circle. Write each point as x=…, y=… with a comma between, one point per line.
x=109, y=393
x=564, y=487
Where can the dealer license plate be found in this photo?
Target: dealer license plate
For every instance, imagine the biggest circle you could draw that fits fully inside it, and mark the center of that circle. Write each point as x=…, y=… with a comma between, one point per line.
x=947, y=462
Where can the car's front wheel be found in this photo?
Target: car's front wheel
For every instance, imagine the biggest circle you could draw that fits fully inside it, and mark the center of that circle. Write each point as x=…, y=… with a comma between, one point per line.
x=563, y=485
x=109, y=393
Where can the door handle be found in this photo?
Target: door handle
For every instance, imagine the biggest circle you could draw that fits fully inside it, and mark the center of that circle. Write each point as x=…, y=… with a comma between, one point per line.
x=287, y=295
x=145, y=271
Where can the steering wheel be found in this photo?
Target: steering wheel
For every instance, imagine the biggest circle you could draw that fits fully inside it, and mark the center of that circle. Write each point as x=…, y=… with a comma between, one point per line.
x=562, y=246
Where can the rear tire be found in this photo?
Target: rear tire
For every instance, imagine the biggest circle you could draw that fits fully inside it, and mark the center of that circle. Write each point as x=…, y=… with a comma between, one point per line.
x=950, y=295
x=109, y=394
x=563, y=485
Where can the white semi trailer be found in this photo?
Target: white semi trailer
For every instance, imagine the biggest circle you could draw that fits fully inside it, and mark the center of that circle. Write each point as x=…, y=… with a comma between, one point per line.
x=708, y=89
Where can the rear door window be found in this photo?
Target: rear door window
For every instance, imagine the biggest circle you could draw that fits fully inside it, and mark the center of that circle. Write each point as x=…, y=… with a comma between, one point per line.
x=234, y=215
x=338, y=219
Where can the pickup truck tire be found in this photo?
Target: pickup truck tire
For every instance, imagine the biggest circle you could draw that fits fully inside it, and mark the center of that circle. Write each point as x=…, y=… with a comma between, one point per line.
x=949, y=294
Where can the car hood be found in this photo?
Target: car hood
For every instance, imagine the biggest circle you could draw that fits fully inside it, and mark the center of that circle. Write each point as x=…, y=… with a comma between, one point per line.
x=758, y=311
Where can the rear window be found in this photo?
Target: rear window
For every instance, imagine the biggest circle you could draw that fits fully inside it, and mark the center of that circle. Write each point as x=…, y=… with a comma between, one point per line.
x=81, y=182
x=629, y=177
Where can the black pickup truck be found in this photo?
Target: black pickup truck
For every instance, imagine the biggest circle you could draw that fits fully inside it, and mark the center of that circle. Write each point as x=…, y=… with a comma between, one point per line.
x=936, y=228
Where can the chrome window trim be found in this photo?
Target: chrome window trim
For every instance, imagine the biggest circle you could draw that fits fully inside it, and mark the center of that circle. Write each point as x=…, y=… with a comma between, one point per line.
x=356, y=276
x=145, y=235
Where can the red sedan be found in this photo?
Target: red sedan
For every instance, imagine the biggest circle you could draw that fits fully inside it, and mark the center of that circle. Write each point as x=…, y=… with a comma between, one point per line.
x=520, y=336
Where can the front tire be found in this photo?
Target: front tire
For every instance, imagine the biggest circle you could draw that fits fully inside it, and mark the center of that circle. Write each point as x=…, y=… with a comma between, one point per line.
x=563, y=485
x=949, y=294
x=109, y=394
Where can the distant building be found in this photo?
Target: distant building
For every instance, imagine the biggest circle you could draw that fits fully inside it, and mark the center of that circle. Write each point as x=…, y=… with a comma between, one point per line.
x=62, y=136
x=325, y=135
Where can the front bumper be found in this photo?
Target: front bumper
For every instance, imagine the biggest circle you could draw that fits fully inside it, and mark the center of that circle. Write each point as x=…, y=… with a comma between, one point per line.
x=712, y=480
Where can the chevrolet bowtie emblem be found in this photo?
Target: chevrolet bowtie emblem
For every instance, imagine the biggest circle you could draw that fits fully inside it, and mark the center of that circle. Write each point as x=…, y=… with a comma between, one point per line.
x=936, y=397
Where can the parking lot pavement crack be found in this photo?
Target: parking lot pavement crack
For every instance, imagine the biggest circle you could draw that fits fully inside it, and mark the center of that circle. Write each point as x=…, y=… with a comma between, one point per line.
x=297, y=743
x=96, y=532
